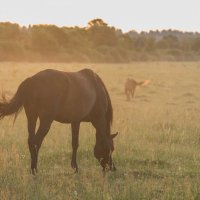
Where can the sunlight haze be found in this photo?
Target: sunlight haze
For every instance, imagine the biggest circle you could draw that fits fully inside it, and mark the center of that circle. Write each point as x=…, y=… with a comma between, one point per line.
x=126, y=15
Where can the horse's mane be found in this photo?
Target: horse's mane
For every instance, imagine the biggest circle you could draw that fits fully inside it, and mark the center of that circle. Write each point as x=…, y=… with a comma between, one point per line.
x=109, y=113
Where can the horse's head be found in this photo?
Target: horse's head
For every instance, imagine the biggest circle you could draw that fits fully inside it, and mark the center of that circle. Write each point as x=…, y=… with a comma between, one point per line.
x=103, y=153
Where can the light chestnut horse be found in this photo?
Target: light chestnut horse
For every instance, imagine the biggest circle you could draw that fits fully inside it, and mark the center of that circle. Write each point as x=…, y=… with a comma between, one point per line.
x=130, y=86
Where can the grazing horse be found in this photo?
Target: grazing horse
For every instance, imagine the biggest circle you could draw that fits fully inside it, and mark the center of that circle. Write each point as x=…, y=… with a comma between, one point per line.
x=131, y=85
x=66, y=97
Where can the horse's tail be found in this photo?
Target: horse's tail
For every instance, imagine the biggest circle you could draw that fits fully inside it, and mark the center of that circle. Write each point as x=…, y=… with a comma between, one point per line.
x=143, y=83
x=14, y=105
x=109, y=113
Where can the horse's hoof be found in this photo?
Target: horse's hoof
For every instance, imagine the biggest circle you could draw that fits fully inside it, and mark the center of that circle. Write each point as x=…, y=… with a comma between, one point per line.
x=74, y=167
x=113, y=169
x=34, y=171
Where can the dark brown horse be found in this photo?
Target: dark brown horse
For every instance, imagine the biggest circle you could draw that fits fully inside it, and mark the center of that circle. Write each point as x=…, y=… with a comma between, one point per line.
x=66, y=97
x=131, y=85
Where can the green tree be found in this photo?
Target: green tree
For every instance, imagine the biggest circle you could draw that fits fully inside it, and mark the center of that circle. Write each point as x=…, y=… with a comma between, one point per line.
x=42, y=41
x=9, y=31
x=196, y=44
x=101, y=34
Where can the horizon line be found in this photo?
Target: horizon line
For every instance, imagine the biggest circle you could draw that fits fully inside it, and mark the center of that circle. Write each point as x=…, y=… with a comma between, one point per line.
x=117, y=28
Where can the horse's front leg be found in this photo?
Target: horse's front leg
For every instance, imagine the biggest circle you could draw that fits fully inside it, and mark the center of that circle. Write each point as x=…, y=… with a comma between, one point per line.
x=75, y=136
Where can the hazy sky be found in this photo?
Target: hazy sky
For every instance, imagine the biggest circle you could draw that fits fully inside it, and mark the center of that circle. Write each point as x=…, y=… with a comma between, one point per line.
x=127, y=14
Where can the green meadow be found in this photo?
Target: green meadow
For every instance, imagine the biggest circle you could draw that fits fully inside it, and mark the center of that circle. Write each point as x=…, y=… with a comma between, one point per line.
x=157, y=150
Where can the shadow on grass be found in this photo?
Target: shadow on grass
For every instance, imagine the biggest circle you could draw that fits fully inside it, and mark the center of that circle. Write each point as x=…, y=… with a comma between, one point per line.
x=148, y=162
x=146, y=174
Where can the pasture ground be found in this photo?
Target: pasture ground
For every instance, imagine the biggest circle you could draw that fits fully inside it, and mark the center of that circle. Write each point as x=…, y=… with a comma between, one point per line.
x=157, y=151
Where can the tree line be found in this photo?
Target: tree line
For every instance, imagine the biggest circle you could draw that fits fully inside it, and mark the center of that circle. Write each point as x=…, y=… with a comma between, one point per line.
x=98, y=42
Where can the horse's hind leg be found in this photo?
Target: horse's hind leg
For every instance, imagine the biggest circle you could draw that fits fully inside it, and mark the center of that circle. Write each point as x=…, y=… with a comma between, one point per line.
x=75, y=136
x=32, y=119
x=128, y=95
x=132, y=92
x=43, y=129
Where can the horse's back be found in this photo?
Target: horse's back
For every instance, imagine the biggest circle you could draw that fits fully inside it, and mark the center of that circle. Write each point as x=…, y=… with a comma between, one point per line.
x=45, y=86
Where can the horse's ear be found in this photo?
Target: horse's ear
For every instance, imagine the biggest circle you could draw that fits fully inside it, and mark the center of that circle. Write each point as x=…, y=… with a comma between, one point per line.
x=114, y=135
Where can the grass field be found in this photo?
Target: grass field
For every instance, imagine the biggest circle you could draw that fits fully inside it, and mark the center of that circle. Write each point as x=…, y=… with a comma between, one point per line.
x=157, y=151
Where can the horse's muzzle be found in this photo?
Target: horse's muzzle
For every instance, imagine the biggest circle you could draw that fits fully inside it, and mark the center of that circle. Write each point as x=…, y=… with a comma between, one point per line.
x=107, y=166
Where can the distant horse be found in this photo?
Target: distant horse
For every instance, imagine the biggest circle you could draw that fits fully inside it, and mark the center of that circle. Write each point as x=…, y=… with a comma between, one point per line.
x=66, y=97
x=131, y=85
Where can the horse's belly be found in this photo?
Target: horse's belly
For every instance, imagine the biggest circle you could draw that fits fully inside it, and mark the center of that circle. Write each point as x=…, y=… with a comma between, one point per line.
x=67, y=119
x=73, y=113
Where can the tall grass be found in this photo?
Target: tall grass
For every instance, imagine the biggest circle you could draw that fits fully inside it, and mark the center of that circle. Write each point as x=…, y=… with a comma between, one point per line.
x=157, y=151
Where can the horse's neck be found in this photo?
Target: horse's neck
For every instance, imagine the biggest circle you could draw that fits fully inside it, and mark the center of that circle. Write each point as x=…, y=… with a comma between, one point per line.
x=101, y=140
